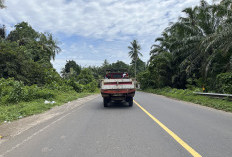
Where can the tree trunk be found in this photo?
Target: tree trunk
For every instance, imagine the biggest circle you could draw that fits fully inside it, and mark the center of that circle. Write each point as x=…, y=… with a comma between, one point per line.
x=135, y=67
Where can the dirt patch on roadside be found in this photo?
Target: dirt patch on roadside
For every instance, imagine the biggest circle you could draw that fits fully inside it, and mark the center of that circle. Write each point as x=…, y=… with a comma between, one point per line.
x=8, y=130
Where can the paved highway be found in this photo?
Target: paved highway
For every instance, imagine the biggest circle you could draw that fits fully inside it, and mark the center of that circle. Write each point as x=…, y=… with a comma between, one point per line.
x=154, y=127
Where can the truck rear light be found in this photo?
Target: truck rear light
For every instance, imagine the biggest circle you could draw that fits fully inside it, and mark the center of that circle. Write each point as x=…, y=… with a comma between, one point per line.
x=110, y=83
x=125, y=82
x=115, y=83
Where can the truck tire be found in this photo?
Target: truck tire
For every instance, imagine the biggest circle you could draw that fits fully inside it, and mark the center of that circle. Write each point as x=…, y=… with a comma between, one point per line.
x=130, y=102
x=105, y=102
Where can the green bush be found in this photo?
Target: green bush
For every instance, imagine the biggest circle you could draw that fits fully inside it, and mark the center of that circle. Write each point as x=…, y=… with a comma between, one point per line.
x=44, y=94
x=30, y=92
x=34, y=92
x=17, y=94
x=64, y=86
x=224, y=83
x=12, y=91
x=52, y=76
x=76, y=86
x=5, y=87
x=91, y=87
x=85, y=77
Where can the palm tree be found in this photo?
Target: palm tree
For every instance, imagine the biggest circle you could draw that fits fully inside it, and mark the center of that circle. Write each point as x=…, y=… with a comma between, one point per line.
x=185, y=40
x=199, y=43
x=134, y=52
x=48, y=44
x=199, y=24
x=163, y=46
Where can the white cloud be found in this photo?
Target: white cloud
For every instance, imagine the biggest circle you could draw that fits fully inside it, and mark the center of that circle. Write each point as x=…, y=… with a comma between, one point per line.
x=100, y=19
x=107, y=20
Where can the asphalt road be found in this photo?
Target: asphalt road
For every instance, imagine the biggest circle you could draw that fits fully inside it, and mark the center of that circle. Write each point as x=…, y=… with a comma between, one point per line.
x=121, y=131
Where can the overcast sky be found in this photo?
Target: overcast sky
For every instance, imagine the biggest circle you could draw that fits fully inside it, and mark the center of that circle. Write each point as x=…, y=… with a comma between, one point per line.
x=90, y=31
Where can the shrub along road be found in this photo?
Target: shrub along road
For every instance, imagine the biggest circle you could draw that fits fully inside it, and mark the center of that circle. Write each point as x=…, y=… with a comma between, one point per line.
x=159, y=127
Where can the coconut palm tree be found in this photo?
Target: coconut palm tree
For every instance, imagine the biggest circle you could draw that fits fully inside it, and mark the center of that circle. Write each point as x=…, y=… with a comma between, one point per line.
x=134, y=52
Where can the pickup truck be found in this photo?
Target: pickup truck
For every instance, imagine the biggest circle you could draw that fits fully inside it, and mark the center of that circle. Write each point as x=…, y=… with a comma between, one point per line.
x=117, y=86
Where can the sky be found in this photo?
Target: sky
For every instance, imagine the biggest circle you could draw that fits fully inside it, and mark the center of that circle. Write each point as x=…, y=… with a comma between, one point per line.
x=90, y=31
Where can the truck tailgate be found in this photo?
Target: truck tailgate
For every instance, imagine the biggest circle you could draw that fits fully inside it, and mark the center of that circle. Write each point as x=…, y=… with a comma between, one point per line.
x=117, y=84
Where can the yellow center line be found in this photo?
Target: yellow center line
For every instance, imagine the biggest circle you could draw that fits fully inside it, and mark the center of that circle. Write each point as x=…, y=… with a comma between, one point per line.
x=178, y=139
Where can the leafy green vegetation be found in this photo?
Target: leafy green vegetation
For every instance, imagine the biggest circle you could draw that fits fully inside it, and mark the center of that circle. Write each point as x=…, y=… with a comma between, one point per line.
x=224, y=83
x=19, y=100
x=188, y=95
x=71, y=69
x=28, y=79
x=194, y=52
x=19, y=110
x=99, y=72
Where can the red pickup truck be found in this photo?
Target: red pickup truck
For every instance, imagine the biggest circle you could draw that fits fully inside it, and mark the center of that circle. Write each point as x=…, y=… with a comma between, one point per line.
x=117, y=86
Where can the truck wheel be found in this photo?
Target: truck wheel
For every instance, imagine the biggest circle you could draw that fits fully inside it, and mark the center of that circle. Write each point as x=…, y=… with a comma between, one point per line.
x=130, y=102
x=105, y=102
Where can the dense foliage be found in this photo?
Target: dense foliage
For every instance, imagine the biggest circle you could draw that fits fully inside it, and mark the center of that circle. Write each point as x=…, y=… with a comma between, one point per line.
x=25, y=55
x=71, y=69
x=26, y=72
x=194, y=51
x=224, y=83
x=99, y=72
x=12, y=91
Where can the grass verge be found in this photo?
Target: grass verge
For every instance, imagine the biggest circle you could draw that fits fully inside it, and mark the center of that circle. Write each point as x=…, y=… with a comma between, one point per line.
x=187, y=95
x=23, y=109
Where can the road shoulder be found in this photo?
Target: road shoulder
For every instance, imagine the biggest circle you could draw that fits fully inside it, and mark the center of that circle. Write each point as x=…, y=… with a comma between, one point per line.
x=189, y=103
x=9, y=130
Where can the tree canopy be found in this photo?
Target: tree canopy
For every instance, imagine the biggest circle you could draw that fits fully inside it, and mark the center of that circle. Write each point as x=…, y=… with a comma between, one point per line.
x=25, y=54
x=134, y=53
x=71, y=69
x=195, y=49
